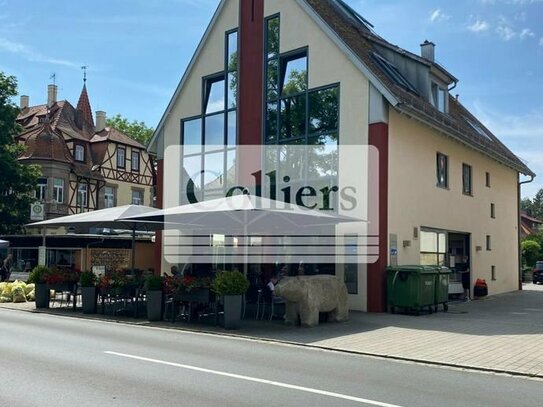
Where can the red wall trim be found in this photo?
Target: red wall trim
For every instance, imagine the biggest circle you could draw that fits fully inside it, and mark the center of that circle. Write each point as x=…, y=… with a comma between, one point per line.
x=378, y=137
x=251, y=71
x=159, y=203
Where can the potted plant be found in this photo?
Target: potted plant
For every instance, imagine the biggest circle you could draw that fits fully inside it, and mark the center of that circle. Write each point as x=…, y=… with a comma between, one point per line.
x=153, y=292
x=38, y=276
x=231, y=285
x=89, y=291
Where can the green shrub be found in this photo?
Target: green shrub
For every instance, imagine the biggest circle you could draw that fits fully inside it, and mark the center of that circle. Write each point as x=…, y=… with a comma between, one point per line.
x=154, y=283
x=230, y=283
x=39, y=274
x=531, y=252
x=88, y=279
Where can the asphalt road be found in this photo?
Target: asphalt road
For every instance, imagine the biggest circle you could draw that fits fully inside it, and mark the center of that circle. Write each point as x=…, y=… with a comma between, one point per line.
x=58, y=361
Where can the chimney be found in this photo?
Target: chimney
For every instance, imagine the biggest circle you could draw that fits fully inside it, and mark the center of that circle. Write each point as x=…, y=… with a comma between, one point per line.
x=100, y=121
x=25, y=102
x=427, y=50
x=51, y=95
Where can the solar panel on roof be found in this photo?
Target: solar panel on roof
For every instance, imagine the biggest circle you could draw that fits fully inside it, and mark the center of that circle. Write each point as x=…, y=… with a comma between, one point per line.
x=393, y=73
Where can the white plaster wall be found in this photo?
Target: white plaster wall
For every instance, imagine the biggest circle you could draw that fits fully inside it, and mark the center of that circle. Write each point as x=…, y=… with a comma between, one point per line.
x=415, y=201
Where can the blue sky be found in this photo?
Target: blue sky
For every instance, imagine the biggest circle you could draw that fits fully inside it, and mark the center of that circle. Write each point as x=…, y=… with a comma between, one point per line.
x=137, y=50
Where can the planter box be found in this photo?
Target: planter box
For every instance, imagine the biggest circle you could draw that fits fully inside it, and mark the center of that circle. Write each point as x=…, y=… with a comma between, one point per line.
x=154, y=305
x=62, y=287
x=89, y=297
x=42, y=296
x=202, y=295
x=232, y=311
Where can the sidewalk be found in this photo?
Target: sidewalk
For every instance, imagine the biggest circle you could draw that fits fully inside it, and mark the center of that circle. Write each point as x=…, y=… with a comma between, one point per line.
x=498, y=334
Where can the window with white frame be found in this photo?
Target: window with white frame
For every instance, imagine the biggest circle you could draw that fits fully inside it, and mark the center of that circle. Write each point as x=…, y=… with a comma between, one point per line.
x=137, y=197
x=79, y=152
x=109, y=197
x=58, y=190
x=439, y=97
x=121, y=157
x=135, y=163
x=82, y=195
x=41, y=190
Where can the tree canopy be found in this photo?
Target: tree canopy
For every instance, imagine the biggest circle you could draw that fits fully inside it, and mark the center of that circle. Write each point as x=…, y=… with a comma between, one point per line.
x=533, y=207
x=139, y=131
x=18, y=181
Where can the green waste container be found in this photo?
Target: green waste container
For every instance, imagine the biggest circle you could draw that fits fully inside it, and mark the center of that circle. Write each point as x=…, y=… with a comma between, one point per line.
x=411, y=288
x=442, y=287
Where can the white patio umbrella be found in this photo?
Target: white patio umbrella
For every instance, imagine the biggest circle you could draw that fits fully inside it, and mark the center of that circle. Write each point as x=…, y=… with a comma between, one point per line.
x=109, y=218
x=3, y=244
x=243, y=214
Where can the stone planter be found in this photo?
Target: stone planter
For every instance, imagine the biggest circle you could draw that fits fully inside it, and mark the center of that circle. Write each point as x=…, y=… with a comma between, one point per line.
x=89, y=297
x=232, y=311
x=42, y=296
x=154, y=305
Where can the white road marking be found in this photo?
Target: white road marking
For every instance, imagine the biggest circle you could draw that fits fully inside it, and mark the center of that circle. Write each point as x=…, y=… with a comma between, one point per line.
x=257, y=380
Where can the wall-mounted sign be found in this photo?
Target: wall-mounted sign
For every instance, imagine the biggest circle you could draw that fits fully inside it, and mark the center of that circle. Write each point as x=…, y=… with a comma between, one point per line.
x=37, y=211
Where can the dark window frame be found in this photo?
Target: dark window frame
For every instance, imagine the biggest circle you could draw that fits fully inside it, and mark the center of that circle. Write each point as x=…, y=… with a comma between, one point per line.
x=467, y=189
x=226, y=112
x=488, y=243
x=82, y=146
x=132, y=153
x=445, y=183
x=493, y=211
x=123, y=148
x=487, y=179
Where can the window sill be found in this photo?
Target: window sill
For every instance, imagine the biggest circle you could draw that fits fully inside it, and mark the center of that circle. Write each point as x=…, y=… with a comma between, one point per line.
x=443, y=187
x=466, y=194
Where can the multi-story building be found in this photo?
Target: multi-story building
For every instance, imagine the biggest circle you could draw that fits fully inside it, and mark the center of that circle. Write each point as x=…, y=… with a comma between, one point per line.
x=447, y=187
x=85, y=166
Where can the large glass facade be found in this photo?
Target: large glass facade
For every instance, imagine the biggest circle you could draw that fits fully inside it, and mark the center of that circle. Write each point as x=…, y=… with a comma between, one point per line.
x=298, y=116
x=209, y=140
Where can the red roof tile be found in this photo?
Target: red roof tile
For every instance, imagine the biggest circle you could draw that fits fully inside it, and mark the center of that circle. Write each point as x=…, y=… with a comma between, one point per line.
x=84, y=106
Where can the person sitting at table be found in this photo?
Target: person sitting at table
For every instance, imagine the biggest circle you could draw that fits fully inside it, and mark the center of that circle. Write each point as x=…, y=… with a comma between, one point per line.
x=283, y=271
x=175, y=271
x=269, y=291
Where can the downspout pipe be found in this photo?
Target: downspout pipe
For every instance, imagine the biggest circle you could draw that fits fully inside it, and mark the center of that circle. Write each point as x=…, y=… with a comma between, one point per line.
x=519, y=228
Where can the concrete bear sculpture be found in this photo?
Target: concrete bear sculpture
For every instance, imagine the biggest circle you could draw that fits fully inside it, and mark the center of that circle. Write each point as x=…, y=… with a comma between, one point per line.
x=306, y=296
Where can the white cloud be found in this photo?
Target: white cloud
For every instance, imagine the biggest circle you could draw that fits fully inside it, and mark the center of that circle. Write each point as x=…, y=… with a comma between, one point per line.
x=31, y=55
x=506, y=32
x=479, y=26
x=525, y=33
x=437, y=15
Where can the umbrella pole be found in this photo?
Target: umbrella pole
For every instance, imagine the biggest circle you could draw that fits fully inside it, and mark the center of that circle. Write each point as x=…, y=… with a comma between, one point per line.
x=133, y=249
x=246, y=254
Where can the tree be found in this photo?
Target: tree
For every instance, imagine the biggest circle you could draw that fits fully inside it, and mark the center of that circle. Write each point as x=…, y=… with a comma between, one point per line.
x=533, y=207
x=526, y=206
x=530, y=251
x=137, y=130
x=537, y=205
x=18, y=181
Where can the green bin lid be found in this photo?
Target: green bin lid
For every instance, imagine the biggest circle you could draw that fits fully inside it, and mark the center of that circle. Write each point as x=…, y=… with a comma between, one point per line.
x=415, y=269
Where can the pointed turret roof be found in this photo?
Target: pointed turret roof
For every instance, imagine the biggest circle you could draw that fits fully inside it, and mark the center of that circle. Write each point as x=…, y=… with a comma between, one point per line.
x=84, y=106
